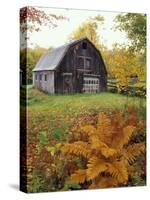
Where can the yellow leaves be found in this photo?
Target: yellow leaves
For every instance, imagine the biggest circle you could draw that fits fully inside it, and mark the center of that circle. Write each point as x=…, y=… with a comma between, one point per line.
x=53, y=149
x=134, y=150
x=118, y=170
x=122, y=66
x=78, y=177
x=77, y=148
x=95, y=167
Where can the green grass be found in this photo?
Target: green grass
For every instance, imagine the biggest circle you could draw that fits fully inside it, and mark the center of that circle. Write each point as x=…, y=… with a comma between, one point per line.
x=78, y=102
x=54, y=114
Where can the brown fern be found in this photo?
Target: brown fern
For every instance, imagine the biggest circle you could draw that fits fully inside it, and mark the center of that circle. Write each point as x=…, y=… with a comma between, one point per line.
x=107, y=151
x=95, y=167
x=133, y=151
x=77, y=148
x=118, y=170
x=78, y=176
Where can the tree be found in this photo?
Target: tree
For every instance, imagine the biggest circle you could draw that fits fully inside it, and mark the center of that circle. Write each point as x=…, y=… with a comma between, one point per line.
x=135, y=27
x=122, y=64
x=88, y=29
x=35, y=18
x=28, y=59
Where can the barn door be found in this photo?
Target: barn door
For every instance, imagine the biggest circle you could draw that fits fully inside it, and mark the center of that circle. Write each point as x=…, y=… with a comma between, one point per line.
x=79, y=82
x=67, y=84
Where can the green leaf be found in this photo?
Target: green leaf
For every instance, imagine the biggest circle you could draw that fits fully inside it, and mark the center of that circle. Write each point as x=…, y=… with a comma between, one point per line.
x=57, y=133
x=43, y=138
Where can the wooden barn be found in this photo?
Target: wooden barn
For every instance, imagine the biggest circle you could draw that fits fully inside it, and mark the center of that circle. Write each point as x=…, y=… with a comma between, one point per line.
x=72, y=68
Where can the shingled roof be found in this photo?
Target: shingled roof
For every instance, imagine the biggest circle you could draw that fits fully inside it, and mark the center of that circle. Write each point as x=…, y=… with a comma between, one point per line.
x=51, y=60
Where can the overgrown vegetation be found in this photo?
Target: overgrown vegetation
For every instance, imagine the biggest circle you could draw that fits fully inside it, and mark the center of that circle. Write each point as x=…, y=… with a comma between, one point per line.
x=58, y=123
x=106, y=150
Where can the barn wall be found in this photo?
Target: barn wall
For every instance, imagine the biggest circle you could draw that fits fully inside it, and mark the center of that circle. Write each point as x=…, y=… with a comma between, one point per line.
x=70, y=64
x=44, y=85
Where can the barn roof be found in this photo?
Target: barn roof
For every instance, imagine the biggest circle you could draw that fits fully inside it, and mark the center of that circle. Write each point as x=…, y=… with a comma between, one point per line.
x=50, y=60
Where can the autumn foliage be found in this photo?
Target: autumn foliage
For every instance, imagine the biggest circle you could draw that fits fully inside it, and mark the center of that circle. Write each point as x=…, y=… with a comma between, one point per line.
x=80, y=148
x=107, y=150
x=31, y=19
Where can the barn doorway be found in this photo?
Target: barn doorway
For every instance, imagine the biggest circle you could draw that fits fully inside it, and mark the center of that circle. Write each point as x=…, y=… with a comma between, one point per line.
x=67, y=83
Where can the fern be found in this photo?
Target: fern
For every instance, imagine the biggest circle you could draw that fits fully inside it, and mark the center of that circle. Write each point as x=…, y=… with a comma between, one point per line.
x=133, y=151
x=79, y=176
x=104, y=128
x=107, y=151
x=101, y=147
x=88, y=129
x=107, y=182
x=123, y=137
x=77, y=148
x=118, y=170
x=95, y=167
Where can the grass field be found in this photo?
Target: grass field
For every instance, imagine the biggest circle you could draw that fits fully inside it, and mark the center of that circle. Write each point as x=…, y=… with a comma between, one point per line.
x=56, y=113
x=79, y=102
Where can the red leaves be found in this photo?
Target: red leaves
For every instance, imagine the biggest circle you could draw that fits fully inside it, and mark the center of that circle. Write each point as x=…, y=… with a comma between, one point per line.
x=36, y=17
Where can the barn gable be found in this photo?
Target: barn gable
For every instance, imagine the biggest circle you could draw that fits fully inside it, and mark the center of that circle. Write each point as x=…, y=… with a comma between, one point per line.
x=52, y=59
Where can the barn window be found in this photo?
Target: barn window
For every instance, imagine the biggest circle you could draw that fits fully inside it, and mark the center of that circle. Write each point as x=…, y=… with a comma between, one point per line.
x=45, y=77
x=90, y=85
x=40, y=77
x=88, y=63
x=36, y=77
x=84, y=45
x=80, y=62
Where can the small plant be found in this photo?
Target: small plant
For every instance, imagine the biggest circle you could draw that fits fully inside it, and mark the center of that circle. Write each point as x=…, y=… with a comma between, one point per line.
x=106, y=150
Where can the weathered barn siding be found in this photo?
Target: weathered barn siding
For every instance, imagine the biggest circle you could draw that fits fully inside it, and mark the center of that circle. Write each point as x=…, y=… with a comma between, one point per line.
x=71, y=71
x=44, y=80
x=73, y=68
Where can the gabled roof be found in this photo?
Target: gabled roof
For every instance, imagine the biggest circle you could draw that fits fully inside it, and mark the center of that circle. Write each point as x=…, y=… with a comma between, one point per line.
x=51, y=60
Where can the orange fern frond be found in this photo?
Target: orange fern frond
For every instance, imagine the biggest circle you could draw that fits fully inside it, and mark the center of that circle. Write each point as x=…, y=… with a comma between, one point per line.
x=123, y=137
x=77, y=148
x=133, y=151
x=95, y=167
x=100, y=146
x=95, y=142
x=78, y=177
x=118, y=170
x=88, y=129
x=104, y=128
x=107, y=182
x=108, y=152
